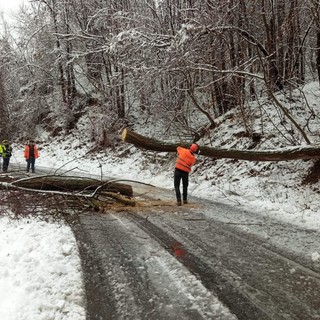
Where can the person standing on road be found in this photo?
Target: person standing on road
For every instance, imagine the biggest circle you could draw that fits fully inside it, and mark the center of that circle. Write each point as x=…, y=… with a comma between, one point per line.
x=185, y=160
x=6, y=153
x=31, y=154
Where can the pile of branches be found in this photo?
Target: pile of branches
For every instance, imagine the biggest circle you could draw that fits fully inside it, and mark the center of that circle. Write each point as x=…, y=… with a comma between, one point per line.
x=59, y=196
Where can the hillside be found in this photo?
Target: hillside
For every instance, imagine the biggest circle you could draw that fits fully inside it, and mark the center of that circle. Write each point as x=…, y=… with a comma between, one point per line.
x=277, y=189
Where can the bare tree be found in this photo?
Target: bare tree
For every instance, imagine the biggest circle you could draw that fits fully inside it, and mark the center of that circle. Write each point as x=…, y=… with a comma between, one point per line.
x=3, y=111
x=175, y=65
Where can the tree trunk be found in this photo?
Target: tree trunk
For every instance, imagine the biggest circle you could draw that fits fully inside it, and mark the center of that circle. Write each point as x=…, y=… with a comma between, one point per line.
x=70, y=184
x=290, y=153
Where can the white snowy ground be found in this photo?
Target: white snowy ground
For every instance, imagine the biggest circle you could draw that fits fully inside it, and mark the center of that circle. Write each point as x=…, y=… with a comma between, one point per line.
x=39, y=266
x=40, y=274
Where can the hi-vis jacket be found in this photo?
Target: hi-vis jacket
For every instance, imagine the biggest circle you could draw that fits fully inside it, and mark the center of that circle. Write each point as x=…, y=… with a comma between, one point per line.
x=185, y=160
x=27, y=152
x=5, y=151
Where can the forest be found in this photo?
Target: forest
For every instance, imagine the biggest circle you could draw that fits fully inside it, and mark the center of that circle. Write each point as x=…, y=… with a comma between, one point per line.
x=176, y=67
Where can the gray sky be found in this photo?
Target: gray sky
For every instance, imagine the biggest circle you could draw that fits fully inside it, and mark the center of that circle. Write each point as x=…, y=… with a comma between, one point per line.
x=10, y=5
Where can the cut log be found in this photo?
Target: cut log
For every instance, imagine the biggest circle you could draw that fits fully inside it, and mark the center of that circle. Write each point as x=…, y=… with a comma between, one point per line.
x=118, y=197
x=69, y=184
x=284, y=154
x=100, y=202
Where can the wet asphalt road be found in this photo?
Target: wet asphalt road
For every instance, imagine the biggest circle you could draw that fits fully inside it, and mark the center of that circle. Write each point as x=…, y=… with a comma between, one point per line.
x=159, y=261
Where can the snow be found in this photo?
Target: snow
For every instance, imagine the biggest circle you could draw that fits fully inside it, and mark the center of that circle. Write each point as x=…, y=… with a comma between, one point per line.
x=40, y=272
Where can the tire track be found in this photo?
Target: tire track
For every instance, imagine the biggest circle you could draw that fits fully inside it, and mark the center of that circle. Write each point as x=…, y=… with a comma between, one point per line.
x=96, y=284
x=234, y=299
x=254, y=282
x=124, y=280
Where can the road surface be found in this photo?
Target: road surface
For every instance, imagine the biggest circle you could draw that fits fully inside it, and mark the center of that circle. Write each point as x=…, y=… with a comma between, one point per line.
x=204, y=260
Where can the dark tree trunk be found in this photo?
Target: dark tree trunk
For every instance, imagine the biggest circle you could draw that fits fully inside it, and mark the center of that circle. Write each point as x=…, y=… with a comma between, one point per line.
x=318, y=55
x=292, y=153
x=70, y=184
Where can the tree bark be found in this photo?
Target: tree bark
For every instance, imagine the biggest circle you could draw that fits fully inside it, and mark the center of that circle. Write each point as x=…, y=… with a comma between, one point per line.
x=70, y=184
x=99, y=203
x=289, y=153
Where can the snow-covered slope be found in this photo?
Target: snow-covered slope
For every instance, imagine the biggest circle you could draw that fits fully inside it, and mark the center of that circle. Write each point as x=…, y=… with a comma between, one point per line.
x=271, y=188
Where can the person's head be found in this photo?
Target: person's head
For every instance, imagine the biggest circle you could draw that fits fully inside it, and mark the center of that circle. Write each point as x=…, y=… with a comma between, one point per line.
x=5, y=142
x=194, y=148
x=31, y=142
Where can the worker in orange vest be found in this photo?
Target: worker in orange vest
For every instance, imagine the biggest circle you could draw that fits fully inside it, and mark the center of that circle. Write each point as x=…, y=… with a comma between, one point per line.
x=185, y=160
x=31, y=154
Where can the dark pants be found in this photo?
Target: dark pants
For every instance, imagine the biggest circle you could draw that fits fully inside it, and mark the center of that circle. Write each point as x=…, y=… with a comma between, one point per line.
x=178, y=175
x=30, y=162
x=5, y=164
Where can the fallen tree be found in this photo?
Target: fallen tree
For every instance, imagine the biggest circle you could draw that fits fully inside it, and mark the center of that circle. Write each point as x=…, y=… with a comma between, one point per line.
x=68, y=184
x=94, y=191
x=284, y=154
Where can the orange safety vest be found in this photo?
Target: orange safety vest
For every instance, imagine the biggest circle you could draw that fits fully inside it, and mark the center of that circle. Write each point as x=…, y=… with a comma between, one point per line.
x=27, y=152
x=185, y=160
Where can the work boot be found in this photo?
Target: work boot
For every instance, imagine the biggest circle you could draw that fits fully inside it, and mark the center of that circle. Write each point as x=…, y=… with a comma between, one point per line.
x=179, y=203
x=185, y=201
